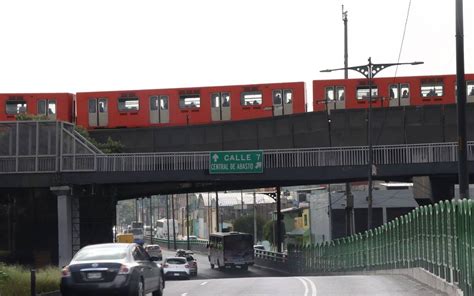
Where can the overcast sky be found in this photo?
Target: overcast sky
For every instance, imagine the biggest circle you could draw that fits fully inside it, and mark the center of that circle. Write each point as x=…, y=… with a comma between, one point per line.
x=72, y=46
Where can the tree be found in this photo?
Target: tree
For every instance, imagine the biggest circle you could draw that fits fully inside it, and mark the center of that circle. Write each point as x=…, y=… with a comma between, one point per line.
x=268, y=232
x=245, y=224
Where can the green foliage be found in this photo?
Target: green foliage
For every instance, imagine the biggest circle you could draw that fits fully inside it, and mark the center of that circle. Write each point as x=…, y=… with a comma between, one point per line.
x=15, y=280
x=268, y=232
x=110, y=146
x=27, y=117
x=126, y=212
x=245, y=224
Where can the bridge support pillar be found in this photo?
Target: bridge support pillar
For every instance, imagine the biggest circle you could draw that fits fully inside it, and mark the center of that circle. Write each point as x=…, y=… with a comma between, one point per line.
x=429, y=190
x=64, y=199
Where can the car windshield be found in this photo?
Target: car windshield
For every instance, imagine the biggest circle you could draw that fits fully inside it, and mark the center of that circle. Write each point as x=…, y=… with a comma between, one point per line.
x=175, y=261
x=111, y=252
x=189, y=258
x=137, y=231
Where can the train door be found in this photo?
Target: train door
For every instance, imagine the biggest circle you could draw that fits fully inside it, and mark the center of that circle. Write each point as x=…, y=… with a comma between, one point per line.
x=98, y=112
x=47, y=108
x=159, y=109
x=282, y=102
x=220, y=106
x=399, y=95
x=335, y=97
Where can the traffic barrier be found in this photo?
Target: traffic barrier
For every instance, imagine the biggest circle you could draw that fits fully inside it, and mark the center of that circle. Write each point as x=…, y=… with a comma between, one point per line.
x=439, y=239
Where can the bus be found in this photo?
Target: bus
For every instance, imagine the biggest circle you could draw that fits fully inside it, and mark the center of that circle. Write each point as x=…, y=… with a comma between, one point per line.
x=231, y=249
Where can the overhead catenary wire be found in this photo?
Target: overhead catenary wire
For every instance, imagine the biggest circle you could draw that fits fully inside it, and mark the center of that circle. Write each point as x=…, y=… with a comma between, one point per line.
x=403, y=38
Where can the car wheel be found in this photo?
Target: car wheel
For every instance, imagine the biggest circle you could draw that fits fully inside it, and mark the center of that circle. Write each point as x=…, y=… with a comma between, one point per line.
x=139, y=288
x=212, y=266
x=161, y=286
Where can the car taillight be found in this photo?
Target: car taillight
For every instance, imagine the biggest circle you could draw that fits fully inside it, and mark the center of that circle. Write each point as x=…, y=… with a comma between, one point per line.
x=187, y=266
x=124, y=270
x=165, y=265
x=65, y=272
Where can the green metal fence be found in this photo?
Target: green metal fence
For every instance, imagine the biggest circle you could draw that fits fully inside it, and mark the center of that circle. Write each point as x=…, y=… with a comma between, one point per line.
x=438, y=238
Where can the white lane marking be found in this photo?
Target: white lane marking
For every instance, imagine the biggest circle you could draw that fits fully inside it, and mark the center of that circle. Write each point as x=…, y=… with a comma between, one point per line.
x=202, y=284
x=305, y=286
x=184, y=294
x=313, y=287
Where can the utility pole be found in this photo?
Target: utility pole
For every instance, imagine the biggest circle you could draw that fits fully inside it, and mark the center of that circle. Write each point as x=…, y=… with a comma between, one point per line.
x=369, y=71
x=461, y=104
x=346, y=54
x=209, y=216
x=278, y=223
x=349, y=196
x=187, y=220
x=168, y=220
x=254, y=217
x=217, y=211
x=172, y=216
x=242, y=203
x=150, y=216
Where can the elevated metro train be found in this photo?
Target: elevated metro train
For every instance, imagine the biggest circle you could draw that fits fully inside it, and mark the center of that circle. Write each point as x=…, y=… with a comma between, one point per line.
x=204, y=105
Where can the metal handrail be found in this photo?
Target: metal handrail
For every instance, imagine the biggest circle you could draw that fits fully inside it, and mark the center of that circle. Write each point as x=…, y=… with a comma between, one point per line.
x=273, y=158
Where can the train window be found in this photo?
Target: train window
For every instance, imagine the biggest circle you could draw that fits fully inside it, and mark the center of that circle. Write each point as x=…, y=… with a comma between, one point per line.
x=16, y=107
x=215, y=100
x=164, y=102
x=159, y=101
x=51, y=107
x=432, y=90
x=42, y=107
x=470, y=88
x=251, y=98
x=363, y=92
x=405, y=90
x=341, y=93
x=288, y=95
x=128, y=104
x=399, y=89
x=102, y=105
x=277, y=97
x=154, y=102
x=92, y=106
x=330, y=93
x=189, y=101
x=225, y=99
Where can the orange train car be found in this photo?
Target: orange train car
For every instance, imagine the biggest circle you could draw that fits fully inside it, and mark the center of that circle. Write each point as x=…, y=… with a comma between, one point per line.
x=54, y=106
x=388, y=92
x=188, y=106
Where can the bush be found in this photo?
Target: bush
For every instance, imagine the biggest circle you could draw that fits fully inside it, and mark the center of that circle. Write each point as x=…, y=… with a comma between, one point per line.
x=15, y=280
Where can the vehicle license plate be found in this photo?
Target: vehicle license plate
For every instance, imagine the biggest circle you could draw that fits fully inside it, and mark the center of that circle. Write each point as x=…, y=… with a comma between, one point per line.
x=94, y=275
x=176, y=274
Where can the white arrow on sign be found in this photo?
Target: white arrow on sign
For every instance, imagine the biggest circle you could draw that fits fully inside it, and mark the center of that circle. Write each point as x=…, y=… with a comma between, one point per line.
x=215, y=157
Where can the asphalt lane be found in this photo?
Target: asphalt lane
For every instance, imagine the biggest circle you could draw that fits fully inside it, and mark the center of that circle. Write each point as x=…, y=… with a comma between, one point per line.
x=261, y=282
x=205, y=271
x=302, y=286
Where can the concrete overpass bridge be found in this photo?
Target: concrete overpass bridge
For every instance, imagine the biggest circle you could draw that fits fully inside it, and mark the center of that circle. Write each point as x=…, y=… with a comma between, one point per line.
x=53, y=174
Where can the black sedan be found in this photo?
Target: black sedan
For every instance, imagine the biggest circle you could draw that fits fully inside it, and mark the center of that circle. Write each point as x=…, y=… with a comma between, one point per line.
x=119, y=269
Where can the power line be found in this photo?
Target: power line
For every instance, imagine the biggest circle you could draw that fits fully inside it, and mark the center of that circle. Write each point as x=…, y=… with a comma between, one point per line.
x=403, y=38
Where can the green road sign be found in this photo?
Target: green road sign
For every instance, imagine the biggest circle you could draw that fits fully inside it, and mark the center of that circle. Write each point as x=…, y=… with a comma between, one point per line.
x=236, y=162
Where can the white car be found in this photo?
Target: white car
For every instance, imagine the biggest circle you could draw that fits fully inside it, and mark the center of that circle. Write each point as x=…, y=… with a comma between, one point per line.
x=176, y=267
x=154, y=251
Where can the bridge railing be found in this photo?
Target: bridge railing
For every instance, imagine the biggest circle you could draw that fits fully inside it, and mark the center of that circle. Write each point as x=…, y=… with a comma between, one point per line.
x=286, y=158
x=438, y=238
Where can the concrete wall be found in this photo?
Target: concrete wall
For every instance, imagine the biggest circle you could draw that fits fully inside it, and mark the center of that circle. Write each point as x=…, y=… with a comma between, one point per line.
x=397, y=125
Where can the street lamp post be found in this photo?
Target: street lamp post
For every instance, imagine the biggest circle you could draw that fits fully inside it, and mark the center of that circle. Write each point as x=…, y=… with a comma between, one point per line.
x=369, y=71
